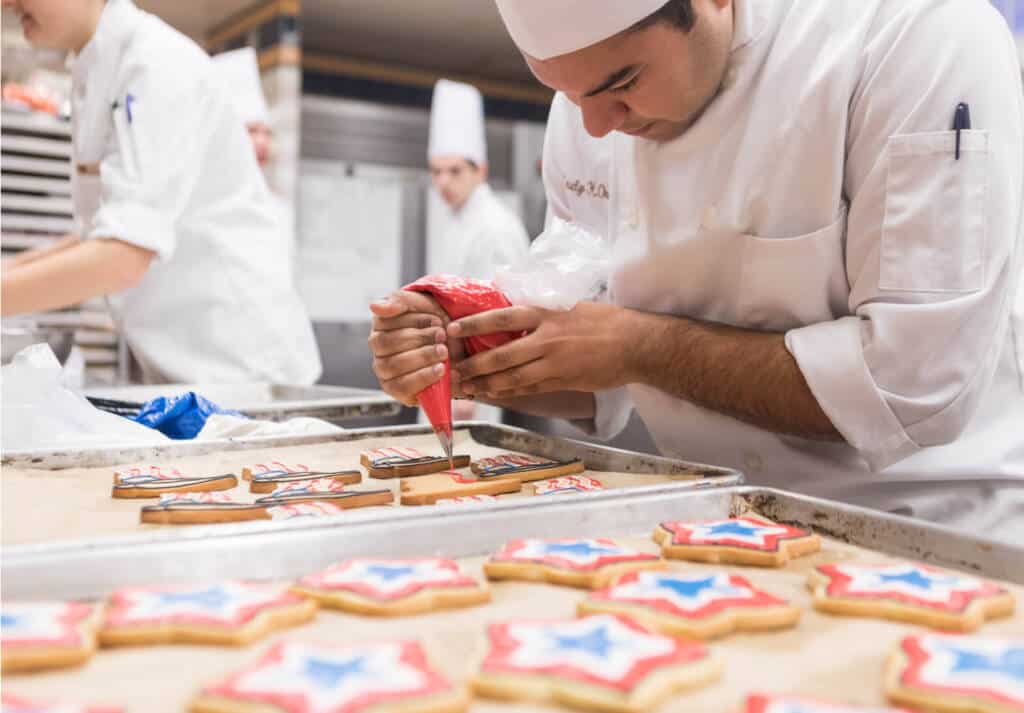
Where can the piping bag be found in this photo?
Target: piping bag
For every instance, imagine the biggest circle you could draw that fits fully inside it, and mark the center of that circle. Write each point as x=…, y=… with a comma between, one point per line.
x=459, y=297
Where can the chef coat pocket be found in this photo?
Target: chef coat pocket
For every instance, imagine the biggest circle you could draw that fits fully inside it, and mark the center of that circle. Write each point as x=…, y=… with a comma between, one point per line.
x=935, y=229
x=794, y=281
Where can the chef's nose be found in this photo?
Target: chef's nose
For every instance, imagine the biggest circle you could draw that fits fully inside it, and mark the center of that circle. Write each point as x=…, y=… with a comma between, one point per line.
x=602, y=114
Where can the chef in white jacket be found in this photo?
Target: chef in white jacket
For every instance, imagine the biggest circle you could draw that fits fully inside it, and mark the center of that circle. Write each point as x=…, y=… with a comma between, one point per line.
x=815, y=279
x=239, y=74
x=176, y=222
x=477, y=232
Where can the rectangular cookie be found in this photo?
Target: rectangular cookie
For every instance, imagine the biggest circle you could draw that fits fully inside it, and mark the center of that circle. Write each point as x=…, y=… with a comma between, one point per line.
x=152, y=482
x=525, y=467
x=404, y=462
x=428, y=489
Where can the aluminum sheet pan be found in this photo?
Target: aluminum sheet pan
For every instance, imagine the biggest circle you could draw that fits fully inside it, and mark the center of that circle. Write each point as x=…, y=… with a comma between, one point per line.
x=293, y=548
x=596, y=457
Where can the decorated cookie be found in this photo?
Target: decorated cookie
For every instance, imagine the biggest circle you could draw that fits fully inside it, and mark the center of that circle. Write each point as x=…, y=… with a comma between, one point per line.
x=16, y=704
x=317, y=508
x=957, y=674
x=266, y=478
x=567, y=484
x=326, y=490
x=587, y=563
x=40, y=635
x=468, y=500
x=230, y=613
x=152, y=481
x=759, y=703
x=403, y=462
x=393, y=586
x=909, y=592
x=741, y=540
x=526, y=468
x=701, y=605
x=599, y=662
x=200, y=508
x=428, y=489
x=304, y=678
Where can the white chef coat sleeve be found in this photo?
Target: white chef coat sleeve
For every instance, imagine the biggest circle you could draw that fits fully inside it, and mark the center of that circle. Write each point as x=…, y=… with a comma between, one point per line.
x=613, y=406
x=932, y=243
x=149, y=174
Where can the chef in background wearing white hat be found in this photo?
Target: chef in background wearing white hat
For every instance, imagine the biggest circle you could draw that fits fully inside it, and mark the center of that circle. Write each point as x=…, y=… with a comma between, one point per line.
x=239, y=72
x=814, y=215
x=479, y=233
x=177, y=226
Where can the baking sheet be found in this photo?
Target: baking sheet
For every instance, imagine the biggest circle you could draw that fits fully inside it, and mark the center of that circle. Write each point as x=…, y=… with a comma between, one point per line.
x=825, y=657
x=72, y=504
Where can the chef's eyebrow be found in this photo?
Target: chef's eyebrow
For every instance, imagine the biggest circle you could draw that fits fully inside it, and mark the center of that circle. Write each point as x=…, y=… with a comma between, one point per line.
x=613, y=79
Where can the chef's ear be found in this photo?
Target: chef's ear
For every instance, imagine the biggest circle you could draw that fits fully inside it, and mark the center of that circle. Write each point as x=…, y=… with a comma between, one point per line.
x=483, y=170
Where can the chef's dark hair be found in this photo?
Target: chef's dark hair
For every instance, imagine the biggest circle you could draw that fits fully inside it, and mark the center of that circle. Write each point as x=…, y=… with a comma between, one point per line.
x=677, y=13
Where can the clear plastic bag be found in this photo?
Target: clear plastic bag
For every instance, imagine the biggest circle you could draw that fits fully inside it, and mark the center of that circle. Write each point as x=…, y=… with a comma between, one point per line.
x=40, y=413
x=566, y=264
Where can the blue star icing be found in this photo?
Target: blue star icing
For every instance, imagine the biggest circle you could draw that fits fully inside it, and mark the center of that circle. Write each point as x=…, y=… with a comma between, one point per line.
x=329, y=674
x=390, y=572
x=9, y=620
x=734, y=528
x=686, y=588
x=1010, y=663
x=914, y=578
x=213, y=598
x=595, y=642
x=583, y=549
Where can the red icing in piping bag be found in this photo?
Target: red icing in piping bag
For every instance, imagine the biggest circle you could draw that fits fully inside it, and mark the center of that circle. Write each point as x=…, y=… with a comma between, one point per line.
x=459, y=297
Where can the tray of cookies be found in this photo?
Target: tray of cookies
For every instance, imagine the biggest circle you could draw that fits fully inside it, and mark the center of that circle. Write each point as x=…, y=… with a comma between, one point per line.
x=740, y=599
x=105, y=493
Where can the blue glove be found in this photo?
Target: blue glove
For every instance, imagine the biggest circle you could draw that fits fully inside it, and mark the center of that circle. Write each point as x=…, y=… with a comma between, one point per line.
x=181, y=417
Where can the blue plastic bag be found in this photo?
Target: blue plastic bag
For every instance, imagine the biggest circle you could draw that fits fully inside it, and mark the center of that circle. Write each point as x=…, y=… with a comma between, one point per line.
x=179, y=417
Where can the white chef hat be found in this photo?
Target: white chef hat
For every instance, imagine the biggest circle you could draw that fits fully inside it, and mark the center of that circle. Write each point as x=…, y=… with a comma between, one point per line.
x=457, y=122
x=548, y=28
x=239, y=73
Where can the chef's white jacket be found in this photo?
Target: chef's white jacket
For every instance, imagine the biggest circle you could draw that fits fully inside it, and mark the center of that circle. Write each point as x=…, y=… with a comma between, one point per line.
x=162, y=161
x=819, y=196
x=480, y=237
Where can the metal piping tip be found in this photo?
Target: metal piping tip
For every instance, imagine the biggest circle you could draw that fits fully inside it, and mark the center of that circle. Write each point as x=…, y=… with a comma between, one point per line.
x=447, y=445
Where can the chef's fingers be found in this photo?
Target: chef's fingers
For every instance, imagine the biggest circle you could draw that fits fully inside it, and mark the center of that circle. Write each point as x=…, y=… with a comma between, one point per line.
x=404, y=388
x=388, y=368
x=401, y=302
x=524, y=379
x=409, y=320
x=509, y=319
x=515, y=353
x=543, y=387
x=389, y=343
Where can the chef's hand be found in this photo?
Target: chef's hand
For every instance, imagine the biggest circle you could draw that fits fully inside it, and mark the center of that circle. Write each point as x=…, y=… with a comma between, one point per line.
x=584, y=349
x=409, y=345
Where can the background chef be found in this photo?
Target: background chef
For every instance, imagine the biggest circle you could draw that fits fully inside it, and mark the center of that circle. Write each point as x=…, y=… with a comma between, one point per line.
x=176, y=222
x=478, y=233
x=810, y=282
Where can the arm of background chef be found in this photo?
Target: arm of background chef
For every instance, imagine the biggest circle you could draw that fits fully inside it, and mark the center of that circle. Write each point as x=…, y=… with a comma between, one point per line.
x=27, y=256
x=77, y=273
